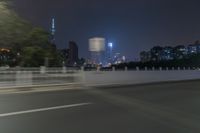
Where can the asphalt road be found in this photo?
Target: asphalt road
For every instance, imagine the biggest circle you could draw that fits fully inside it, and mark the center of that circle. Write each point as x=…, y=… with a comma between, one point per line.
x=152, y=108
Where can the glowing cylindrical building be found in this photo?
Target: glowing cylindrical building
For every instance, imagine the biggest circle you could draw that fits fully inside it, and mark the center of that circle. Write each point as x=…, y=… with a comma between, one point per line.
x=97, y=49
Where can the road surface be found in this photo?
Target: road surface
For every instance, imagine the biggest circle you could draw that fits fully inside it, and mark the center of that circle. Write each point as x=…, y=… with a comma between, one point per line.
x=150, y=108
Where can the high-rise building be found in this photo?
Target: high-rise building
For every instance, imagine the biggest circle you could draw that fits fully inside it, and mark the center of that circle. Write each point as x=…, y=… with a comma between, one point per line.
x=53, y=31
x=194, y=48
x=180, y=52
x=97, y=49
x=109, y=51
x=118, y=58
x=73, y=53
x=167, y=53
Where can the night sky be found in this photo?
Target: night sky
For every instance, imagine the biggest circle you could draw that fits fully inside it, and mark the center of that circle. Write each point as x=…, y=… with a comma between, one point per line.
x=132, y=25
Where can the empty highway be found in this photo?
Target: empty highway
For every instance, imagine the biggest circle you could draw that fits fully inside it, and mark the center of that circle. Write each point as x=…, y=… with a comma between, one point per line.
x=151, y=108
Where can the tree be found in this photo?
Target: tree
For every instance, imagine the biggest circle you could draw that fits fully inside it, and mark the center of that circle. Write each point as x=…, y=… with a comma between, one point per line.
x=32, y=56
x=36, y=47
x=37, y=37
x=12, y=27
x=29, y=44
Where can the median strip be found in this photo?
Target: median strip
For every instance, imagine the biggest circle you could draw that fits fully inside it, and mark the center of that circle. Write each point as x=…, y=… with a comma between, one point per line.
x=42, y=109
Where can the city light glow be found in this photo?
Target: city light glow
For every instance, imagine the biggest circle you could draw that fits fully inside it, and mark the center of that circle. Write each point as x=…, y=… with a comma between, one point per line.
x=110, y=45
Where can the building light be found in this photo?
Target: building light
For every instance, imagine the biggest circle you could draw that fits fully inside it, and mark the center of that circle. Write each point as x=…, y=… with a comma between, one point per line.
x=110, y=45
x=4, y=50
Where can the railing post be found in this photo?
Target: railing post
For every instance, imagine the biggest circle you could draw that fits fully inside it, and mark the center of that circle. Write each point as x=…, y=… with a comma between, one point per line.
x=42, y=70
x=82, y=75
x=153, y=68
x=113, y=68
x=137, y=68
x=64, y=69
x=23, y=78
x=98, y=68
x=126, y=68
x=146, y=69
x=160, y=68
x=82, y=68
x=167, y=68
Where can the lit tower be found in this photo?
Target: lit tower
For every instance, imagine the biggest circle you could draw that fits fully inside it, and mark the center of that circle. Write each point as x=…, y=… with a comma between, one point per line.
x=97, y=49
x=110, y=46
x=110, y=52
x=53, y=31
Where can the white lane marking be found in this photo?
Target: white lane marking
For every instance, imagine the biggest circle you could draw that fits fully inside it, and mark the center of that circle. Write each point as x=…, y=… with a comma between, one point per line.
x=43, y=109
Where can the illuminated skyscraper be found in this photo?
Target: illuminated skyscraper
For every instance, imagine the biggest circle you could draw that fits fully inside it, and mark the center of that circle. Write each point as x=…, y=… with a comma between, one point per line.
x=53, y=31
x=97, y=49
x=110, y=53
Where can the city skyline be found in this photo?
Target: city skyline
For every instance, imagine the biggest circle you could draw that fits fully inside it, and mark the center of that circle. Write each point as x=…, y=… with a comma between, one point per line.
x=132, y=26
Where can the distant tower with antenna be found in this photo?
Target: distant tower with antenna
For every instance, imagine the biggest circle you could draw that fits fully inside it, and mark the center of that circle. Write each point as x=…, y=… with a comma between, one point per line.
x=53, y=31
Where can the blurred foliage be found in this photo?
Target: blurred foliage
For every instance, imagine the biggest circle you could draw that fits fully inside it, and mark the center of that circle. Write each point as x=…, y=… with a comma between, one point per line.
x=30, y=45
x=12, y=28
x=32, y=57
x=36, y=47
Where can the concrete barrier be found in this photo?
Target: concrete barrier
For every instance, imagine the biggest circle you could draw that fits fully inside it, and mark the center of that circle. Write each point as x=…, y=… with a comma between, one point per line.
x=39, y=77
x=138, y=77
x=16, y=78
